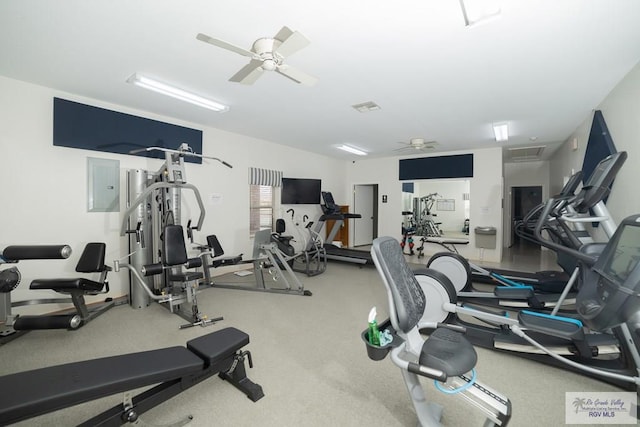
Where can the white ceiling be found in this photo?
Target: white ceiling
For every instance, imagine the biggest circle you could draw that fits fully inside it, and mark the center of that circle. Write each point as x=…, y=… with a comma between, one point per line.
x=542, y=66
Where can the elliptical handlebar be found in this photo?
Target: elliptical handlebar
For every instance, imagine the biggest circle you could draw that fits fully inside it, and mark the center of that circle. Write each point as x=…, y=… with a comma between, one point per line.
x=549, y=207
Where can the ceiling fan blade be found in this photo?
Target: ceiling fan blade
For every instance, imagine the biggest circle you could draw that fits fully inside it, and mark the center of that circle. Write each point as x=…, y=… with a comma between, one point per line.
x=284, y=33
x=296, y=75
x=249, y=73
x=405, y=148
x=291, y=44
x=225, y=45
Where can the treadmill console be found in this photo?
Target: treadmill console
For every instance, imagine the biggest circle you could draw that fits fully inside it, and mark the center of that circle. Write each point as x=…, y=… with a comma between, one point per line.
x=329, y=206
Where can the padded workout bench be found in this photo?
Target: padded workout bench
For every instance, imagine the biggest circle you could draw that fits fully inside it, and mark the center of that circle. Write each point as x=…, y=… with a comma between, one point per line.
x=174, y=369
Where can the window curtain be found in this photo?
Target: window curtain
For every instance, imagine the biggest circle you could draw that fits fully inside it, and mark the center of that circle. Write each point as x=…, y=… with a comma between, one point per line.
x=269, y=177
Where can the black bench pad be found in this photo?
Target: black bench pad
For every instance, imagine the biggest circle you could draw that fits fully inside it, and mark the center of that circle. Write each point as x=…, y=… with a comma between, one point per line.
x=226, y=342
x=66, y=285
x=32, y=393
x=40, y=391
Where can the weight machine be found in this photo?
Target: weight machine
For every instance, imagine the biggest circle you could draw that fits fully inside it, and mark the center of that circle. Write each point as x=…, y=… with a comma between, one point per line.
x=423, y=213
x=154, y=202
x=268, y=262
x=91, y=261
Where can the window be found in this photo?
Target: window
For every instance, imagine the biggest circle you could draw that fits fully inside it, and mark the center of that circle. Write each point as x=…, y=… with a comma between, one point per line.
x=260, y=208
x=262, y=198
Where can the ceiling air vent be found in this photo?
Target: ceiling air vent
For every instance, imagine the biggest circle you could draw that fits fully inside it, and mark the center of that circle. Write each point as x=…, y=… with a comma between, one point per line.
x=366, y=107
x=526, y=154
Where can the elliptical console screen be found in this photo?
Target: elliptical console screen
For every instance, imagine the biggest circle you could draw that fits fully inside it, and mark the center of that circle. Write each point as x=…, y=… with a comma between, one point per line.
x=625, y=258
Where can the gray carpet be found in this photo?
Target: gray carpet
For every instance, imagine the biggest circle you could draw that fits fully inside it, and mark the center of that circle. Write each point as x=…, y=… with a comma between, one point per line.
x=308, y=357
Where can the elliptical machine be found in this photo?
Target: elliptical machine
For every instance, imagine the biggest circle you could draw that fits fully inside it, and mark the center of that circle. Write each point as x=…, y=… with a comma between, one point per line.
x=540, y=290
x=311, y=260
x=601, y=340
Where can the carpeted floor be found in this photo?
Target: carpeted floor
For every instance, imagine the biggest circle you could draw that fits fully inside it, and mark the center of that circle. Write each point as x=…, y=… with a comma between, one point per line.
x=308, y=357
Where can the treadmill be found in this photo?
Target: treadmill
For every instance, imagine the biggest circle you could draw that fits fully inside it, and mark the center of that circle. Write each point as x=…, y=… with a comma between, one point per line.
x=331, y=211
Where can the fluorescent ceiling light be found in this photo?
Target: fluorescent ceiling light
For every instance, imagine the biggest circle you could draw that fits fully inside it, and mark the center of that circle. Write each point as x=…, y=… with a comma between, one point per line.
x=175, y=92
x=475, y=11
x=501, y=130
x=352, y=150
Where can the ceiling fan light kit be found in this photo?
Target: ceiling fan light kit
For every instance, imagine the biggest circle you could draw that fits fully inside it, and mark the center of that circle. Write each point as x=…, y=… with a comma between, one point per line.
x=267, y=54
x=177, y=93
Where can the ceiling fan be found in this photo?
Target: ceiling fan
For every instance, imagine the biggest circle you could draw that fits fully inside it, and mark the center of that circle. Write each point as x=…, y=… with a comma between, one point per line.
x=417, y=144
x=267, y=54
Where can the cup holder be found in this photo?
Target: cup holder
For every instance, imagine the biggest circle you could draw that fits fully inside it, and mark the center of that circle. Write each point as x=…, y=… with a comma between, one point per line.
x=376, y=352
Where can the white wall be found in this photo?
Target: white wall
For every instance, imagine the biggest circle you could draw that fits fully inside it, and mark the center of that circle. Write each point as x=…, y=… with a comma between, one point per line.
x=621, y=111
x=45, y=188
x=485, y=190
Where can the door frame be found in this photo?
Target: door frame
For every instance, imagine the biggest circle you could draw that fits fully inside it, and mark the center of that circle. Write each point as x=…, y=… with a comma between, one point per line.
x=373, y=212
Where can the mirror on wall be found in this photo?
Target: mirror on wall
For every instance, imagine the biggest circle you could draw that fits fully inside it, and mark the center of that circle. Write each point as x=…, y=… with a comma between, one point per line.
x=437, y=207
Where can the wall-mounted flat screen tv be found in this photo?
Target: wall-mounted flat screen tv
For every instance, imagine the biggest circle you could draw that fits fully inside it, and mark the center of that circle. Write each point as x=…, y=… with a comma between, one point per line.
x=300, y=191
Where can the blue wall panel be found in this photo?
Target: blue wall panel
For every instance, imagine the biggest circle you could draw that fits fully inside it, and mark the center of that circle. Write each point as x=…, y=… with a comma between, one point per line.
x=83, y=126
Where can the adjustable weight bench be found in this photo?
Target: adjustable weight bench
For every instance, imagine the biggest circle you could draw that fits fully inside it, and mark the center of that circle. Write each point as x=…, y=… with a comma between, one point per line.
x=174, y=369
x=447, y=243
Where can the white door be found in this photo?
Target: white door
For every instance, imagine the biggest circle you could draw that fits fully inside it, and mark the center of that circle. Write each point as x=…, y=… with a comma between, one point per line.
x=363, y=205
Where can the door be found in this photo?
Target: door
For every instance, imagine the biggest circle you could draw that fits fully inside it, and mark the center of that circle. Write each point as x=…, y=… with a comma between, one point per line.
x=523, y=200
x=365, y=228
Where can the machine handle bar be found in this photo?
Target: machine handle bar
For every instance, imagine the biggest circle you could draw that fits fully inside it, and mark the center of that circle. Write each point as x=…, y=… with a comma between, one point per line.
x=181, y=152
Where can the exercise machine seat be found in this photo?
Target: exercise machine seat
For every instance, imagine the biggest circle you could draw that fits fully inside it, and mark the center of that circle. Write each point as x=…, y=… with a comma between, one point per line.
x=218, y=252
x=174, y=253
x=448, y=351
x=283, y=242
x=280, y=229
x=91, y=261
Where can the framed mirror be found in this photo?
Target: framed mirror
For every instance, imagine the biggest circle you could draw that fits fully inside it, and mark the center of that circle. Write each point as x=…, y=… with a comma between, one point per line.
x=437, y=207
